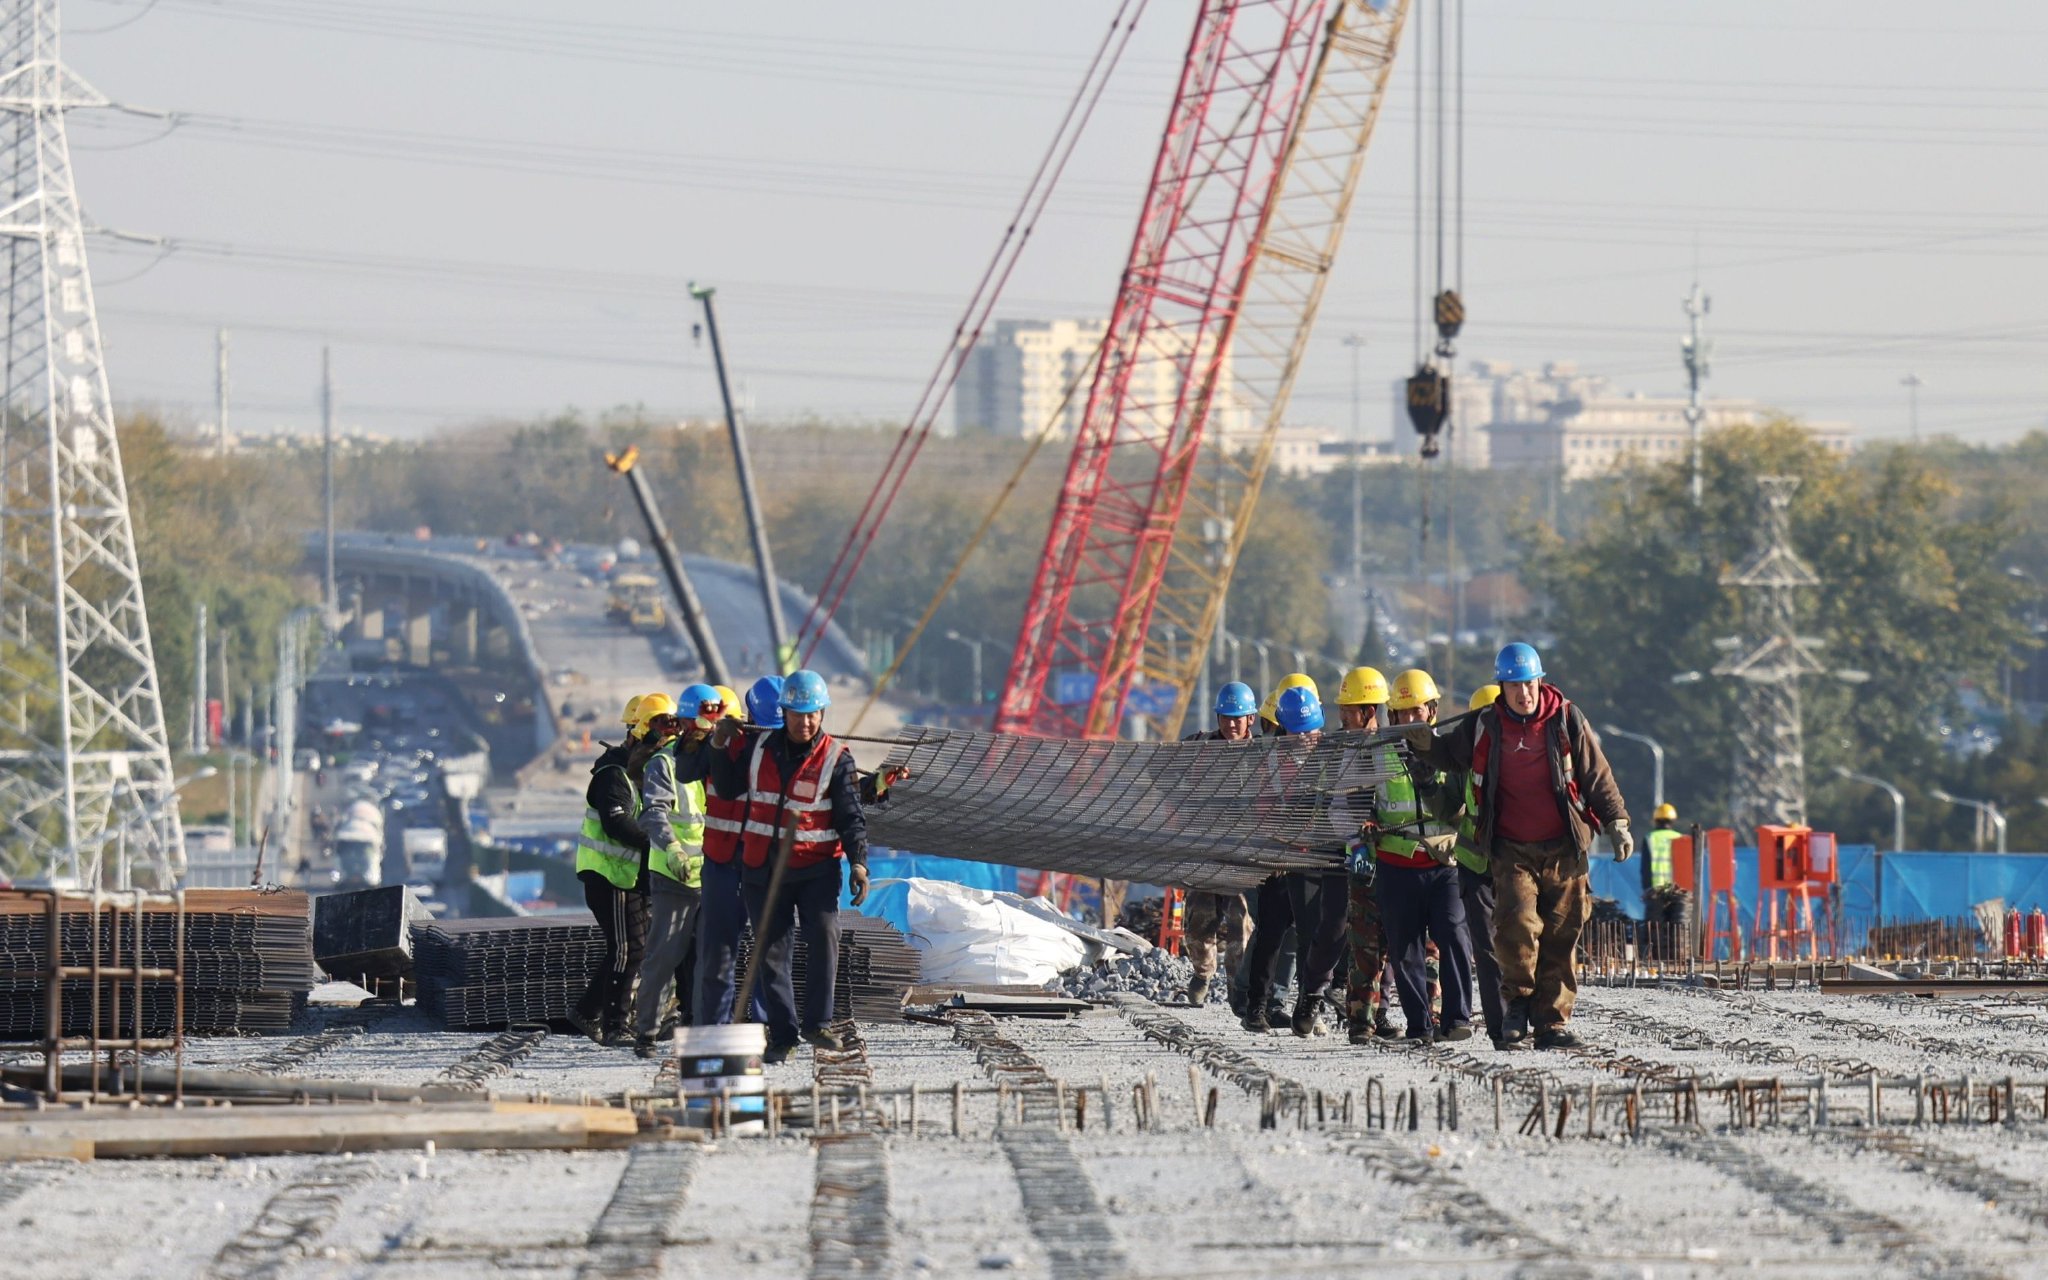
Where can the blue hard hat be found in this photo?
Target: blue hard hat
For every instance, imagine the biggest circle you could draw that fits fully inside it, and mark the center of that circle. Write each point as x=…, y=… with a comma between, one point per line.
x=1300, y=710
x=805, y=691
x=690, y=702
x=1516, y=663
x=1236, y=699
x=764, y=702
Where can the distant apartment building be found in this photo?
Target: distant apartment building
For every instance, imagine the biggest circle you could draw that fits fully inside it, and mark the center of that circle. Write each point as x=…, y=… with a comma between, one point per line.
x=1560, y=418
x=1015, y=381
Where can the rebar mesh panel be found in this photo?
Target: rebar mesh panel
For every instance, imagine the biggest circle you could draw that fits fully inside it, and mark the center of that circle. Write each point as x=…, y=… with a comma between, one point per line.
x=1197, y=815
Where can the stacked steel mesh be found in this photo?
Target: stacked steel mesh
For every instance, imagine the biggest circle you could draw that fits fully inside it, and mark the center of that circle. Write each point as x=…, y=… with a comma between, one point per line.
x=499, y=971
x=248, y=964
x=877, y=966
x=1196, y=815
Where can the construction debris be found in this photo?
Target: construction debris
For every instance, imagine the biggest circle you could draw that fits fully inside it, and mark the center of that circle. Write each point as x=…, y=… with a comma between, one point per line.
x=1156, y=975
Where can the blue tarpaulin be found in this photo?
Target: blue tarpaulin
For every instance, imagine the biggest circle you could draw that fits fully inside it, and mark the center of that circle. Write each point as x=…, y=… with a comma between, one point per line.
x=888, y=864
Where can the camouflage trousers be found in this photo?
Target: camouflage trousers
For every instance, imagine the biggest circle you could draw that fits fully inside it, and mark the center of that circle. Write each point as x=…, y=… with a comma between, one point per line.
x=1370, y=989
x=1212, y=919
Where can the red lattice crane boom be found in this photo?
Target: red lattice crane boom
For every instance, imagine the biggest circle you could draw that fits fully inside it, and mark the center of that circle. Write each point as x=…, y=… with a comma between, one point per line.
x=1164, y=365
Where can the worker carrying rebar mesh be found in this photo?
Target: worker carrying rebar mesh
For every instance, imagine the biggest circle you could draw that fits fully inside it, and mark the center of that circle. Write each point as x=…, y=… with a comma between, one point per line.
x=1544, y=791
x=1217, y=919
x=611, y=863
x=1475, y=887
x=1361, y=707
x=722, y=917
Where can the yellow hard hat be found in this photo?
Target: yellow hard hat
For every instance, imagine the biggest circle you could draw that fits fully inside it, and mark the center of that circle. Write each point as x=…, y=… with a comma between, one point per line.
x=630, y=717
x=1412, y=688
x=729, y=705
x=1269, y=710
x=649, y=705
x=1484, y=696
x=1363, y=686
x=1666, y=812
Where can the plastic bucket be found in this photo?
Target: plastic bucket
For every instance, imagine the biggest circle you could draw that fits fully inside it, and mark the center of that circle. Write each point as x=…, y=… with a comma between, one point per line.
x=724, y=1062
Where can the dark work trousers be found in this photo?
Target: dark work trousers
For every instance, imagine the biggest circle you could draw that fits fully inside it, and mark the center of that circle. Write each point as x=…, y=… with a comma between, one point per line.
x=1272, y=916
x=721, y=915
x=671, y=953
x=813, y=905
x=622, y=920
x=1476, y=891
x=1319, y=903
x=1418, y=904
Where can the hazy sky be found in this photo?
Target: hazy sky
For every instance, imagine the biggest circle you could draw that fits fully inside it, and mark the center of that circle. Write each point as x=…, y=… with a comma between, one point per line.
x=493, y=208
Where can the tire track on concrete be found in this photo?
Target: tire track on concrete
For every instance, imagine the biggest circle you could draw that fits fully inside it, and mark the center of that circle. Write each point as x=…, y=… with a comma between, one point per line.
x=291, y=1222
x=627, y=1240
x=1952, y=1169
x=1844, y=1223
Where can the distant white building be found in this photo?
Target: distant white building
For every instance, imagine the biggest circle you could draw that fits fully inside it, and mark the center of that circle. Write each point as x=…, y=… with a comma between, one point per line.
x=1015, y=379
x=1581, y=423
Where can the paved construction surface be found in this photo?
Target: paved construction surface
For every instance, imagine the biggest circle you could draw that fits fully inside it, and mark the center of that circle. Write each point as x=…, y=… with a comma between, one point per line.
x=1182, y=1196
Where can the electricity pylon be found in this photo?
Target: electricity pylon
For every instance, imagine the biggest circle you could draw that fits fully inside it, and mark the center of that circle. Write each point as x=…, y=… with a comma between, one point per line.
x=84, y=759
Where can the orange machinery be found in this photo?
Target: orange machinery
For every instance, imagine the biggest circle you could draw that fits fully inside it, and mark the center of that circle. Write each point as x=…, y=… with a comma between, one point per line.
x=1723, y=922
x=1796, y=873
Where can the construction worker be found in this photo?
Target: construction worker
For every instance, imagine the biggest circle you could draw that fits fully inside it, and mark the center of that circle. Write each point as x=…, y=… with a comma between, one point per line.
x=1214, y=918
x=804, y=821
x=1416, y=877
x=1543, y=789
x=672, y=817
x=1664, y=903
x=1312, y=906
x=1475, y=887
x=723, y=910
x=611, y=862
x=1361, y=707
x=1269, y=710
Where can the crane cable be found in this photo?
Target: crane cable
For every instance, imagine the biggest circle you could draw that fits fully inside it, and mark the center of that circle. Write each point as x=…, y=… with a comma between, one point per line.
x=967, y=333
x=1440, y=183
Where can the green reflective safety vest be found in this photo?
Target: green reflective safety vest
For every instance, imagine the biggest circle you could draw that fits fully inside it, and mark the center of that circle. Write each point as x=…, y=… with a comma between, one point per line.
x=1400, y=806
x=1661, y=840
x=597, y=851
x=687, y=867
x=1469, y=855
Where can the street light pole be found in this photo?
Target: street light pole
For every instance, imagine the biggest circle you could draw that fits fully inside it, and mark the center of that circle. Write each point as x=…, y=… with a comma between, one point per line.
x=1984, y=807
x=975, y=646
x=1898, y=803
x=1656, y=759
x=1912, y=382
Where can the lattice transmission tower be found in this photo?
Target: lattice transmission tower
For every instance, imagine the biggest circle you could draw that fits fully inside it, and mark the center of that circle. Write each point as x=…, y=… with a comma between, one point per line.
x=1770, y=755
x=85, y=764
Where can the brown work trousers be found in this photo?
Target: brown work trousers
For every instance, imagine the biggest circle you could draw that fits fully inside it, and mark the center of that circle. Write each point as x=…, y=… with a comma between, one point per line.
x=1212, y=919
x=1541, y=904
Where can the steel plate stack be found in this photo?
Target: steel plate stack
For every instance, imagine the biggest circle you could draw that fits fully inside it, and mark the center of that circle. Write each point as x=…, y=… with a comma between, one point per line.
x=248, y=964
x=494, y=972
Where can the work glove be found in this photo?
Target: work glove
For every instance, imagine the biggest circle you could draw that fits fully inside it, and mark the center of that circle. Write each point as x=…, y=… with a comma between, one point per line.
x=690, y=863
x=859, y=877
x=1624, y=842
x=1417, y=736
x=723, y=732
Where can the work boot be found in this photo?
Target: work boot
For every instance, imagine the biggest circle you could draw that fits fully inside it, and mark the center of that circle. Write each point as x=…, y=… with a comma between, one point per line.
x=1304, y=1020
x=1457, y=1031
x=1277, y=1015
x=1558, y=1037
x=1255, y=1022
x=1516, y=1028
x=1198, y=992
x=646, y=1047
x=825, y=1038
x=1361, y=1033
x=1383, y=1027
x=586, y=1024
x=775, y=1054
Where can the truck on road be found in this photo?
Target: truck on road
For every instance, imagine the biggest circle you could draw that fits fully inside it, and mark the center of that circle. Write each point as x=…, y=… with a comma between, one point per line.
x=359, y=846
x=426, y=853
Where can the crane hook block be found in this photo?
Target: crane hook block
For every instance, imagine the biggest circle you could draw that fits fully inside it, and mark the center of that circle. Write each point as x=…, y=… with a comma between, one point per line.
x=1429, y=403
x=1450, y=314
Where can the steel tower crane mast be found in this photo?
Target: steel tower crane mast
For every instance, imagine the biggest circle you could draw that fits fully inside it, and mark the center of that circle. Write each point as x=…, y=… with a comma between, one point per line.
x=1165, y=356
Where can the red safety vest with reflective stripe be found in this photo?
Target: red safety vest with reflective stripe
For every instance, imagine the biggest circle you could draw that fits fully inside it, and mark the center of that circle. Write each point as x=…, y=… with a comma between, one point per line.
x=803, y=801
x=724, y=821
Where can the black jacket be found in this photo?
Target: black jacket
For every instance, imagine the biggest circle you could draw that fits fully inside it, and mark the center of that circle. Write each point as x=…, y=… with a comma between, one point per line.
x=610, y=793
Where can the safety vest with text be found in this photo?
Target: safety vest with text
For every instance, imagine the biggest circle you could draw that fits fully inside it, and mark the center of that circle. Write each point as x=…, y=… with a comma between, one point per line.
x=801, y=802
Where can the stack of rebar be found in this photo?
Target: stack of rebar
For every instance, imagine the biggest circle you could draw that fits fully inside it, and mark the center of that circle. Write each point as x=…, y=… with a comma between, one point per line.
x=877, y=966
x=499, y=971
x=248, y=963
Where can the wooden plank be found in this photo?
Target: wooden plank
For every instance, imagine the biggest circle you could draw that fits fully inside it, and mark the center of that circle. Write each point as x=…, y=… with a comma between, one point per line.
x=317, y=1130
